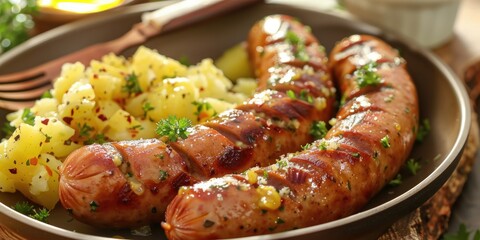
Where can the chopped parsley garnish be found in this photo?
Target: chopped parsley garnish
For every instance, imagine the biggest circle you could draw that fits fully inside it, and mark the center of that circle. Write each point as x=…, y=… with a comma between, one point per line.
x=28, y=116
x=98, y=138
x=367, y=75
x=305, y=96
x=202, y=108
x=299, y=46
x=28, y=209
x=282, y=163
x=163, y=175
x=318, y=129
x=84, y=130
x=132, y=85
x=306, y=146
x=147, y=107
x=173, y=128
x=396, y=181
x=291, y=94
x=423, y=130
x=47, y=94
x=413, y=166
x=40, y=215
x=385, y=141
x=23, y=207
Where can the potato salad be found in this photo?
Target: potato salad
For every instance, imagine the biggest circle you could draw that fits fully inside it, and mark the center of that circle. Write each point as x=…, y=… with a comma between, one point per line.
x=113, y=99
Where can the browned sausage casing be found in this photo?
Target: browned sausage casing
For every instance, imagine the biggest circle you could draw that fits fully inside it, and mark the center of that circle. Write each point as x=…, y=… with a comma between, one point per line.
x=333, y=178
x=130, y=183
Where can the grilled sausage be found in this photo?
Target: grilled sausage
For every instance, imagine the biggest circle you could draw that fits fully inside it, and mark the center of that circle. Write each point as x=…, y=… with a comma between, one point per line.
x=130, y=183
x=333, y=178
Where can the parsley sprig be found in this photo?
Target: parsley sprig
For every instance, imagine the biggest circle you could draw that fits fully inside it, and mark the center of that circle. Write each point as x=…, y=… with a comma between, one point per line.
x=173, y=128
x=28, y=209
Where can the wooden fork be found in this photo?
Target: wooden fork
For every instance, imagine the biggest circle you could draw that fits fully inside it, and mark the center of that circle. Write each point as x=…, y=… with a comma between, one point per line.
x=21, y=89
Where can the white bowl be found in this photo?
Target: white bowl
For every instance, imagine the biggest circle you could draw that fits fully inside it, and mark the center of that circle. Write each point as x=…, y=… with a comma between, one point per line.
x=429, y=23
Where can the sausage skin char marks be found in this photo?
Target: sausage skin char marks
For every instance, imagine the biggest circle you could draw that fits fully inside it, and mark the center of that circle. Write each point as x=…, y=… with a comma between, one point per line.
x=130, y=183
x=333, y=178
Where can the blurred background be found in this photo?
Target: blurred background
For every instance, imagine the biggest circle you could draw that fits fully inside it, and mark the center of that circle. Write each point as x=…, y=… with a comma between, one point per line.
x=430, y=23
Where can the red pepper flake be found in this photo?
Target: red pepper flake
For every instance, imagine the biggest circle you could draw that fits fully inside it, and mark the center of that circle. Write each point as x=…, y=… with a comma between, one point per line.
x=129, y=119
x=13, y=170
x=68, y=120
x=34, y=161
x=45, y=121
x=72, y=111
x=97, y=110
x=102, y=117
x=95, y=76
x=49, y=171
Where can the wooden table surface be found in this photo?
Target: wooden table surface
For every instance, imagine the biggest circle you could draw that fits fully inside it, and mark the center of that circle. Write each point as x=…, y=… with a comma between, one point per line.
x=459, y=52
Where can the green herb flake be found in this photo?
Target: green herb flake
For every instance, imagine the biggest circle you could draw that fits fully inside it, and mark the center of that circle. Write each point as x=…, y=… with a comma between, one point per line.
x=28, y=116
x=396, y=181
x=300, y=51
x=147, y=107
x=279, y=221
x=318, y=129
x=163, y=175
x=23, y=207
x=203, y=106
x=97, y=138
x=305, y=96
x=84, y=130
x=47, y=94
x=41, y=215
x=385, y=141
x=306, y=146
x=282, y=163
x=28, y=209
x=367, y=75
x=291, y=94
x=132, y=85
x=173, y=128
x=423, y=130
x=413, y=166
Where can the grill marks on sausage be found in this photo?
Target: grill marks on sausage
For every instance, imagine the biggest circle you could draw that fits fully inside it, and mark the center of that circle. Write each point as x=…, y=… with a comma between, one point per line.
x=333, y=178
